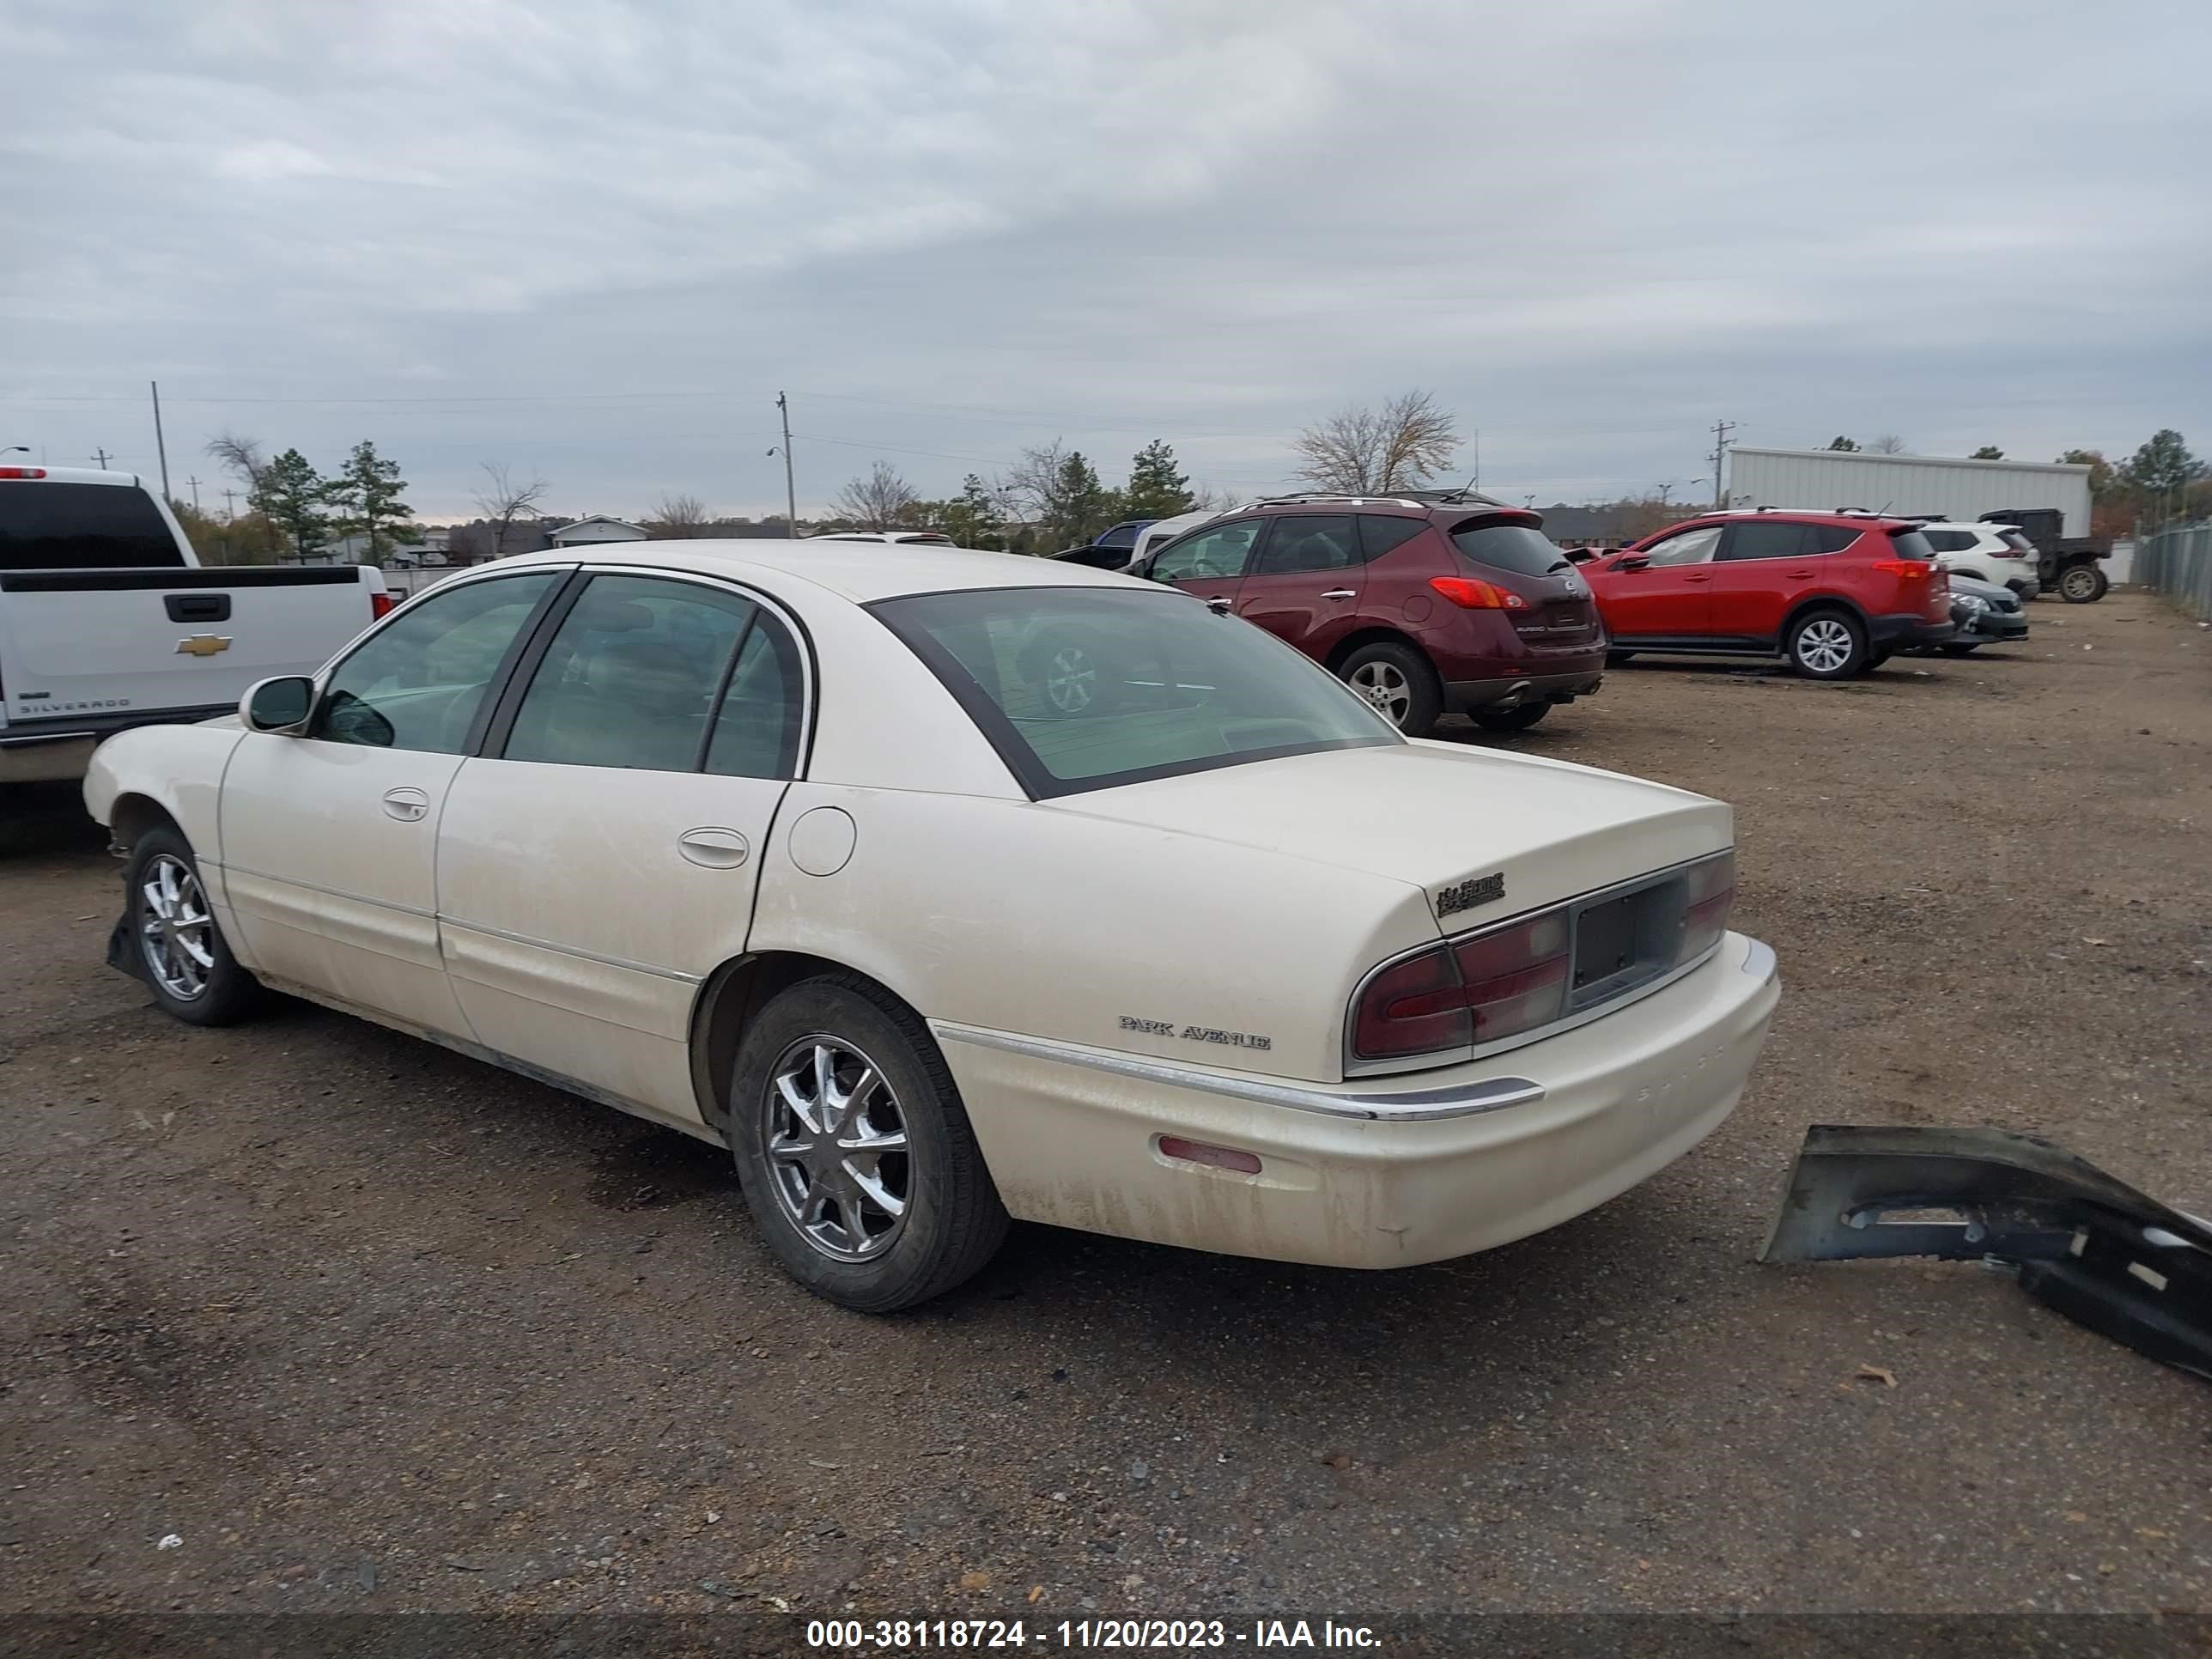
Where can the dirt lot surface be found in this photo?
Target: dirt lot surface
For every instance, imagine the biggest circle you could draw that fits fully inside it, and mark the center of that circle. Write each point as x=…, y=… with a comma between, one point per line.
x=367, y=1326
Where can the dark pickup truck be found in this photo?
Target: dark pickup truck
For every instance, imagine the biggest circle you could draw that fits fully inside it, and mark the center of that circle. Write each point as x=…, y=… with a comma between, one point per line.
x=2067, y=564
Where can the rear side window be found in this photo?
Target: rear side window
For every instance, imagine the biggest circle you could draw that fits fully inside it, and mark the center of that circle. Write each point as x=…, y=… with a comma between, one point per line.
x=2014, y=540
x=1308, y=541
x=1949, y=541
x=1765, y=538
x=1380, y=534
x=1910, y=544
x=1519, y=548
x=46, y=526
x=1833, y=537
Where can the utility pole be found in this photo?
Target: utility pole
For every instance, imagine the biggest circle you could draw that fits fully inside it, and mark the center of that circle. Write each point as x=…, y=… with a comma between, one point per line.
x=1477, y=485
x=1721, y=430
x=790, y=488
x=195, y=483
x=229, y=512
x=161, y=448
x=100, y=456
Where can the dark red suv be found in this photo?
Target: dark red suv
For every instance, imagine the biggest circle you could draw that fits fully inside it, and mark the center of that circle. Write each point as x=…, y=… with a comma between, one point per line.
x=1833, y=592
x=1460, y=604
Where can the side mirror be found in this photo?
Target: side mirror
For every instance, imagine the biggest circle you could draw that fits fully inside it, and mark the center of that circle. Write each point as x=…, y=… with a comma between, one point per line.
x=1633, y=562
x=281, y=705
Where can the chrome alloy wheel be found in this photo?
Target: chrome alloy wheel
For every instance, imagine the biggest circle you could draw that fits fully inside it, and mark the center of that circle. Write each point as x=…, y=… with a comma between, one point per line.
x=1070, y=683
x=836, y=1146
x=1382, y=684
x=176, y=935
x=1824, y=644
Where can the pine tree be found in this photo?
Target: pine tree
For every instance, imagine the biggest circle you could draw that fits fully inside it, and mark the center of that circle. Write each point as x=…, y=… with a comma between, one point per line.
x=972, y=517
x=367, y=493
x=291, y=494
x=1082, y=505
x=1158, y=489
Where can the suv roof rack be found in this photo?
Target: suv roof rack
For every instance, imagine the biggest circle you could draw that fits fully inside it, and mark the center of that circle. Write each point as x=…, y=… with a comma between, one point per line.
x=1394, y=498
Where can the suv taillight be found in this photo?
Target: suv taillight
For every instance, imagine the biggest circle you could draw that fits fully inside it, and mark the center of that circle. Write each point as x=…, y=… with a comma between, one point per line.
x=1469, y=594
x=380, y=605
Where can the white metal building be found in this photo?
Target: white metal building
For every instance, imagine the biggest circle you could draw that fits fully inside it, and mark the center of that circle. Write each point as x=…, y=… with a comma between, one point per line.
x=590, y=533
x=1909, y=484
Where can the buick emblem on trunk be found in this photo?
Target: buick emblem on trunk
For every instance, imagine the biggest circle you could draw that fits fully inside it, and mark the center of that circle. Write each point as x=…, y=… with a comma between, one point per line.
x=1466, y=895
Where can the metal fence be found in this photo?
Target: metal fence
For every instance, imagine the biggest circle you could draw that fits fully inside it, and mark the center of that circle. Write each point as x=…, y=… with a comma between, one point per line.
x=2178, y=562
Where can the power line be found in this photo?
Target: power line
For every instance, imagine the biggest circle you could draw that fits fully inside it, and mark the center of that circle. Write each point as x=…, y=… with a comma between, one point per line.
x=1721, y=430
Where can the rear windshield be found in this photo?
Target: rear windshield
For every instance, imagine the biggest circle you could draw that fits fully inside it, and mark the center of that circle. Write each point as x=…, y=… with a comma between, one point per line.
x=1083, y=688
x=1516, y=547
x=1910, y=544
x=2014, y=540
x=49, y=526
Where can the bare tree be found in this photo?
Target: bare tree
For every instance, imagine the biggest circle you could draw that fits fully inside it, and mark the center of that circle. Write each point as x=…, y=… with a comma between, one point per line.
x=881, y=500
x=503, y=501
x=1366, y=450
x=243, y=457
x=1031, y=490
x=679, y=519
x=1889, y=444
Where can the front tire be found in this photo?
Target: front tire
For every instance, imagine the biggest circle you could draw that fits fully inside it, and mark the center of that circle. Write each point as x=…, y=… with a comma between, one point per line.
x=1400, y=684
x=180, y=951
x=2082, y=584
x=854, y=1150
x=1510, y=720
x=1826, y=645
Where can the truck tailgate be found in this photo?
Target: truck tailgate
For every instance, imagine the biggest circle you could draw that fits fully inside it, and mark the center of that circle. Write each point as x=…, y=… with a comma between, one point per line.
x=132, y=642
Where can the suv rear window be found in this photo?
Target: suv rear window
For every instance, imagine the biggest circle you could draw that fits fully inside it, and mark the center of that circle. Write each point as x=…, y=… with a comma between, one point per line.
x=47, y=525
x=1520, y=548
x=2017, y=542
x=1910, y=544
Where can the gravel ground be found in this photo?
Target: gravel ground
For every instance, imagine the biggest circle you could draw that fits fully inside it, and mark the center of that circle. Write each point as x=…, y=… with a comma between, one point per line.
x=368, y=1327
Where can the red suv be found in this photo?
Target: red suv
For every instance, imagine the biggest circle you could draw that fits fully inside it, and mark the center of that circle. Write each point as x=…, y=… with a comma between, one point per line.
x=1833, y=592
x=1457, y=603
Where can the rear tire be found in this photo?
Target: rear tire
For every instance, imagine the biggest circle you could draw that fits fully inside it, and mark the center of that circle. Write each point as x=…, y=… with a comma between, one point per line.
x=177, y=948
x=1826, y=645
x=2082, y=584
x=1510, y=720
x=1400, y=684
x=862, y=1170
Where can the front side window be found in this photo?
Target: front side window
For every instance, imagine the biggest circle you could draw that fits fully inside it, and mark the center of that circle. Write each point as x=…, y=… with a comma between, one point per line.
x=1090, y=687
x=418, y=682
x=1691, y=547
x=631, y=677
x=1308, y=541
x=1208, y=555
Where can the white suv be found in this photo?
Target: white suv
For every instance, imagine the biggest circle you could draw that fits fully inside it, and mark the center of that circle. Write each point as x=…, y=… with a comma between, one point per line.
x=1988, y=552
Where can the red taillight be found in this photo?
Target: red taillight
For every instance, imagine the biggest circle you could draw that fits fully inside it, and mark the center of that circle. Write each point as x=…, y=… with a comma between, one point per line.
x=1472, y=595
x=1214, y=1158
x=23, y=472
x=1903, y=567
x=380, y=605
x=1711, y=893
x=1493, y=986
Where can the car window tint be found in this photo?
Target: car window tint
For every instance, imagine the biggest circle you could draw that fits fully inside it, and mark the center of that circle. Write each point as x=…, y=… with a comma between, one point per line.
x=1379, y=533
x=1764, y=538
x=631, y=676
x=1910, y=544
x=417, y=682
x=1691, y=547
x=1215, y=553
x=1949, y=541
x=1088, y=687
x=1520, y=548
x=1308, y=541
x=47, y=525
x=756, y=730
x=1833, y=537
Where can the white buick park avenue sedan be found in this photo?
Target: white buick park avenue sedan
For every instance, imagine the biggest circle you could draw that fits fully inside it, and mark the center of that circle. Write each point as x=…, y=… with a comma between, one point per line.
x=948, y=887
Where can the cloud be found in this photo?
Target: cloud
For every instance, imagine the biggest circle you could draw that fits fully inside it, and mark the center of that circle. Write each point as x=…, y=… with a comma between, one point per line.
x=596, y=237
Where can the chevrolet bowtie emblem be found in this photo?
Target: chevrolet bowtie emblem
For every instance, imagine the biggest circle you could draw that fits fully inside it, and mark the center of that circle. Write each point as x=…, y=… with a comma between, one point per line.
x=202, y=645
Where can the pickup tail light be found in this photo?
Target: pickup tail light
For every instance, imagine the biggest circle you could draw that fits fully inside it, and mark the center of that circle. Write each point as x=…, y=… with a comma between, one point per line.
x=380, y=606
x=1469, y=594
x=1464, y=993
x=23, y=472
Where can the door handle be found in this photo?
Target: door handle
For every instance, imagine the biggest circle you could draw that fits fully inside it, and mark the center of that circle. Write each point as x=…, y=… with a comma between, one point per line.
x=1340, y=593
x=715, y=848
x=1705, y=578
x=1218, y=603
x=408, y=806
x=1799, y=576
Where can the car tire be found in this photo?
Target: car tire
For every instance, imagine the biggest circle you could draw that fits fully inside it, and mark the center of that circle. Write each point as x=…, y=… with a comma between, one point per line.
x=1510, y=720
x=177, y=947
x=2082, y=584
x=829, y=1222
x=1070, y=681
x=1826, y=645
x=1398, y=682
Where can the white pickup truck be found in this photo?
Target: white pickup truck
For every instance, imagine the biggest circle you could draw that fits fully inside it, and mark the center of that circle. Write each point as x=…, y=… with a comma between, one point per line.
x=108, y=621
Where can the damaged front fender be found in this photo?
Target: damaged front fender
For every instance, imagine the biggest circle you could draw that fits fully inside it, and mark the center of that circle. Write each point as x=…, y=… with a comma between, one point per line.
x=2085, y=1244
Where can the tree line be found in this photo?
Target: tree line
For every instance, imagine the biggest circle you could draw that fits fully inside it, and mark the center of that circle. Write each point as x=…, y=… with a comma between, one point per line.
x=2161, y=482
x=294, y=511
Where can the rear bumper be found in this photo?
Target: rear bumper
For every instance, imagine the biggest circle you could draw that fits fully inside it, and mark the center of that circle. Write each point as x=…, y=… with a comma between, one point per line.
x=1567, y=1123
x=1459, y=695
x=47, y=750
x=1899, y=633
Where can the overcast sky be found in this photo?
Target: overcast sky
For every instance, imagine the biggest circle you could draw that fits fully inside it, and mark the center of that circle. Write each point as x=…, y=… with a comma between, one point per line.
x=594, y=238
